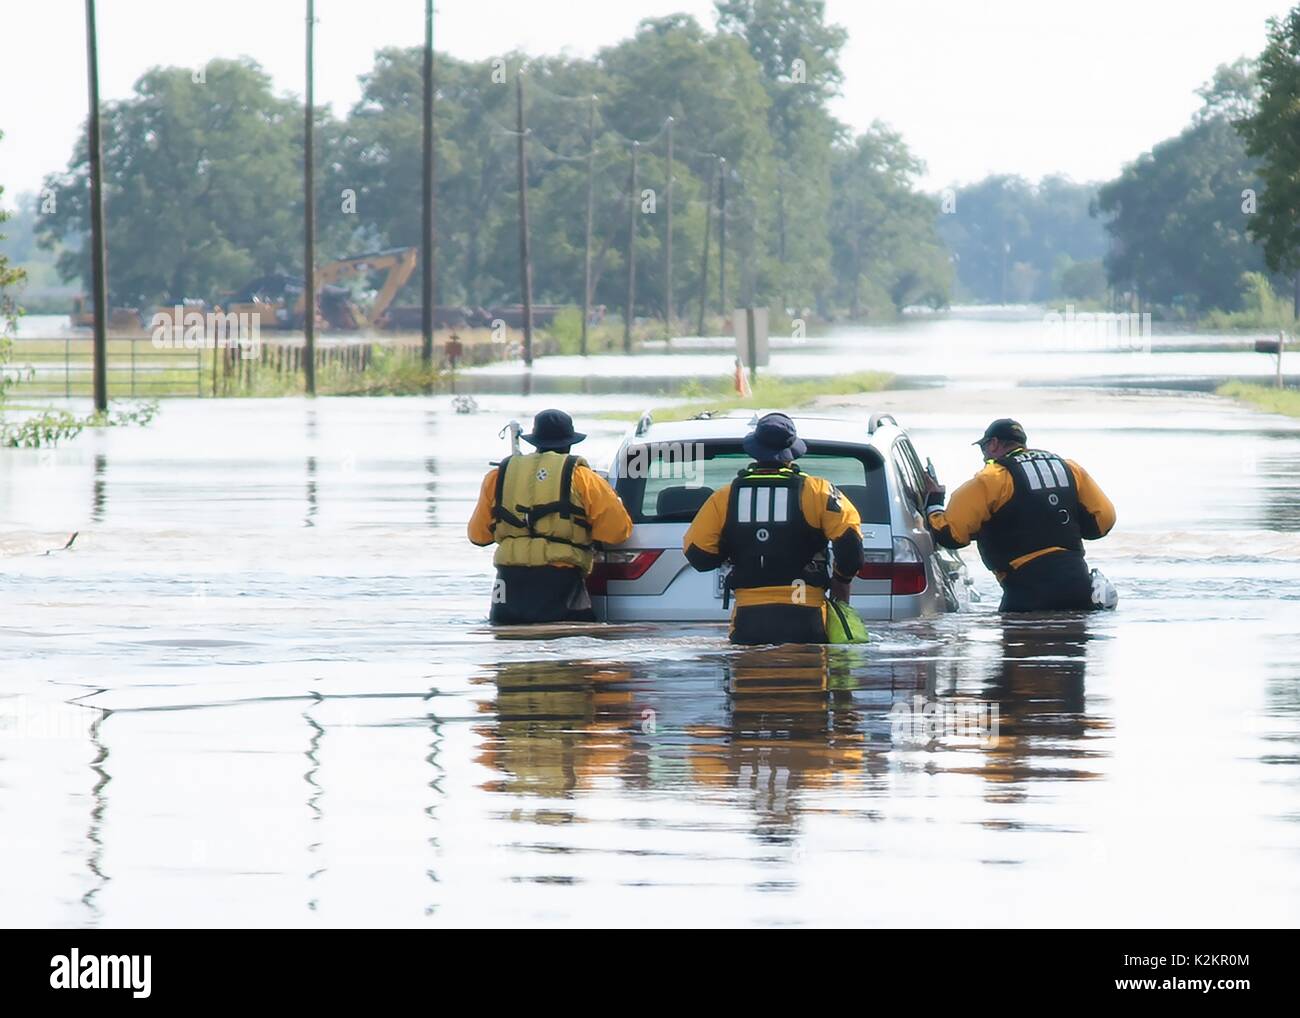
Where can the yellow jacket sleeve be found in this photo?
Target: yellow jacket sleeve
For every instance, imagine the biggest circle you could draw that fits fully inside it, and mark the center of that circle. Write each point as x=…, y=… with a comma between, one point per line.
x=971, y=506
x=705, y=531
x=610, y=523
x=1095, y=504
x=826, y=508
x=480, y=523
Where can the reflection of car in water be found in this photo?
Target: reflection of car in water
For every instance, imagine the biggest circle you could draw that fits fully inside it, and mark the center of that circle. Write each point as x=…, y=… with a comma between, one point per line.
x=788, y=729
x=664, y=473
x=777, y=719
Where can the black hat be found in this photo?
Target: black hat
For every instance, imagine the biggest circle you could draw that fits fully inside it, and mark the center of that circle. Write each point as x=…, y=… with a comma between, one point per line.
x=773, y=440
x=553, y=429
x=1005, y=429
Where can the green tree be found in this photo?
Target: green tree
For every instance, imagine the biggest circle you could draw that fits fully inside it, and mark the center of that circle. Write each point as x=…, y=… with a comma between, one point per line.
x=202, y=186
x=886, y=253
x=986, y=228
x=22, y=248
x=1178, y=215
x=10, y=278
x=671, y=67
x=1012, y=238
x=379, y=157
x=798, y=53
x=712, y=87
x=1083, y=280
x=203, y=179
x=1272, y=134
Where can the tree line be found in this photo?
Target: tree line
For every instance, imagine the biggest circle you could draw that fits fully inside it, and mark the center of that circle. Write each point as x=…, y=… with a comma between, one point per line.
x=1210, y=219
x=203, y=192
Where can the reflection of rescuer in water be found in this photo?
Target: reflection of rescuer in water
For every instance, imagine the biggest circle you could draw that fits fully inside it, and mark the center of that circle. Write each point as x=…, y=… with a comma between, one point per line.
x=772, y=524
x=1029, y=512
x=544, y=510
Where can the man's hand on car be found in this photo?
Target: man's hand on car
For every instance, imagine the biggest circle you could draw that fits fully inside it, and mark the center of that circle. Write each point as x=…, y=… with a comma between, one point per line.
x=935, y=493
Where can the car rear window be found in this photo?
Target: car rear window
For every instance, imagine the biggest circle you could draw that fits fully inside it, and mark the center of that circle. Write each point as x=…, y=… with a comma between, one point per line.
x=661, y=488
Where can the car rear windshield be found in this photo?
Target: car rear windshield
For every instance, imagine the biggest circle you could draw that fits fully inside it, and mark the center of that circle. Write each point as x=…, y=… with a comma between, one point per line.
x=659, y=485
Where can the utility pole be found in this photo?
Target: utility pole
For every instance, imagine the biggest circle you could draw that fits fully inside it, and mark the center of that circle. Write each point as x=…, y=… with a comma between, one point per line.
x=780, y=217
x=309, y=208
x=99, y=270
x=722, y=235
x=591, y=175
x=751, y=341
x=427, y=234
x=525, y=252
x=704, y=272
x=1006, y=249
x=668, y=240
x=631, y=254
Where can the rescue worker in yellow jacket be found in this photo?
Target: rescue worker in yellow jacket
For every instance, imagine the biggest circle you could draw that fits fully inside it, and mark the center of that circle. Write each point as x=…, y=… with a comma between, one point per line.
x=1029, y=512
x=544, y=511
x=772, y=525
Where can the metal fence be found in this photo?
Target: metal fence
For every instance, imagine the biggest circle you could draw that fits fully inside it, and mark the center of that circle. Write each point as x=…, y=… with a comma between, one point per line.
x=65, y=367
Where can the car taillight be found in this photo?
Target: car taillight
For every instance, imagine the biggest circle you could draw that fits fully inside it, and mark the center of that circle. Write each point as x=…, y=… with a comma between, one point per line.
x=903, y=567
x=619, y=565
x=908, y=576
x=878, y=565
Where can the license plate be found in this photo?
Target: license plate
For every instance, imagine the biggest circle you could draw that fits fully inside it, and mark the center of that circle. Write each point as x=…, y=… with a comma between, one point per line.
x=719, y=579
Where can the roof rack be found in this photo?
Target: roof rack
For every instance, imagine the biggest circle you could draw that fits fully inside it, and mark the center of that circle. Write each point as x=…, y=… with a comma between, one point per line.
x=877, y=419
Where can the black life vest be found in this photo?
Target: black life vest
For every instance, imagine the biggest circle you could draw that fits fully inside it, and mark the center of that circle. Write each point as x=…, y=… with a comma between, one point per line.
x=766, y=538
x=1043, y=512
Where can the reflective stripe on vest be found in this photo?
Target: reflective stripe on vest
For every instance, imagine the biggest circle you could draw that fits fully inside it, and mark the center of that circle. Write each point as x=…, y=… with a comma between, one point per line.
x=765, y=536
x=537, y=520
x=763, y=505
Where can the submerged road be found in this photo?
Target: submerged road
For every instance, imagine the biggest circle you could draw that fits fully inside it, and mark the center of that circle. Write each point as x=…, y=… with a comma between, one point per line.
x=259, y=690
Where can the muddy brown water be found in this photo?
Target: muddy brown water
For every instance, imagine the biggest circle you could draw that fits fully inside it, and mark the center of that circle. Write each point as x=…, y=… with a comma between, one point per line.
x=259, y=689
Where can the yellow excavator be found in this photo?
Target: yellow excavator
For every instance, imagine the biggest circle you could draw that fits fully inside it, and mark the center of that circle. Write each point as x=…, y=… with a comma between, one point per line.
x=279, y=301
x=398, y=262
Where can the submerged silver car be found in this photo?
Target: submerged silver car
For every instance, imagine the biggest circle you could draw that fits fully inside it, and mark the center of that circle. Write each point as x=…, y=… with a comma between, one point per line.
x=665, y=472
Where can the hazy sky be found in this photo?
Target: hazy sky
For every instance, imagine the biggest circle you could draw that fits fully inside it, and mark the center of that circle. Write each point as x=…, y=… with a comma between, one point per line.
x=1022, y=86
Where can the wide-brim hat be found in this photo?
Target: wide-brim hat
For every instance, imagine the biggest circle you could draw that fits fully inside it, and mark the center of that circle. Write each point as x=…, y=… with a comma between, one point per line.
x=774, y=440
x=553, y=429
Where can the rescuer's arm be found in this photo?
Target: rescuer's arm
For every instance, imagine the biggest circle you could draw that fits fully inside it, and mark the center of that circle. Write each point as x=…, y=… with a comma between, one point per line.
x=970, y=507
x=702, y=543
x=480, y=523
x=1099, y=511
x=610, y=523
x=839, y=520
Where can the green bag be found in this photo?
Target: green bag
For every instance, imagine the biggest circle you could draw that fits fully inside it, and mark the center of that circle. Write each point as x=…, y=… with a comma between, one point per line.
x=843, y=623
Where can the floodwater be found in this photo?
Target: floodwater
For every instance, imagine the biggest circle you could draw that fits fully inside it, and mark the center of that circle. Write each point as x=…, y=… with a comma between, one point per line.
x=259, y=690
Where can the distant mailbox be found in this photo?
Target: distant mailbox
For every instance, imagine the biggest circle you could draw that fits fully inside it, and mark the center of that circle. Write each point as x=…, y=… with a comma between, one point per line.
x=1268, y=345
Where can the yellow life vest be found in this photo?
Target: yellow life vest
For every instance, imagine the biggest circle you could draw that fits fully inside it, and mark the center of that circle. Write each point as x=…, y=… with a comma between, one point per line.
x=537, y=520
